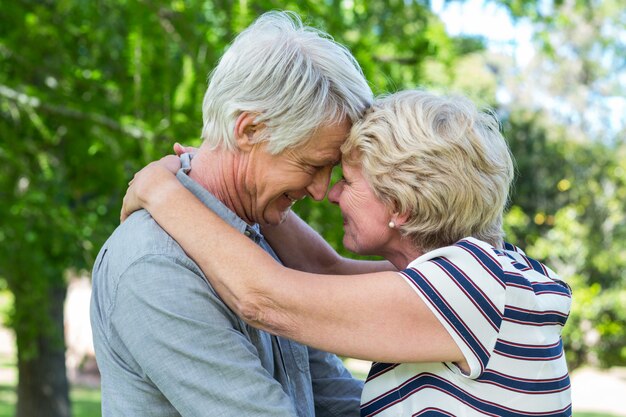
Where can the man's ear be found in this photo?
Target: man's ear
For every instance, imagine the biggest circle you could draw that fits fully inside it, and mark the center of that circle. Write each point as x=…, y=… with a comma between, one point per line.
x=247, y=131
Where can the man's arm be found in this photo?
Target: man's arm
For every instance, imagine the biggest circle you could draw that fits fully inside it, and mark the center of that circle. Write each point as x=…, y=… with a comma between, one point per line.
x=300, y=247
x=187, y=343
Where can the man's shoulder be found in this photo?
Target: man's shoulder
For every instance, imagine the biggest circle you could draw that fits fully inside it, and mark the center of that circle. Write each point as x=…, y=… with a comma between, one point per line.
x=141, y=258
x=138, y=239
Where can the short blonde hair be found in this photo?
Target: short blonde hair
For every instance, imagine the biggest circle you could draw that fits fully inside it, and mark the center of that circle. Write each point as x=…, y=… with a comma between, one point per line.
x=295, y=78
x=438, y=159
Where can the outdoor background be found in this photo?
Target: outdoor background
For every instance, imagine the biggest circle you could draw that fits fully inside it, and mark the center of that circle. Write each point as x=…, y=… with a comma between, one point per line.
x=90, y=91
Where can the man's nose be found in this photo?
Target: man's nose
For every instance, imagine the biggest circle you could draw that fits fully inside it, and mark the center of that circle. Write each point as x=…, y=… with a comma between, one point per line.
x=319, y=186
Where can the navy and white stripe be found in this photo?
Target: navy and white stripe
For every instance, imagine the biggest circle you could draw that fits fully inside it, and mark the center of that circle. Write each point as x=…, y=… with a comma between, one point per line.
x=525, y=385
x=435, y=383
x=534, y=318
x=505, y=311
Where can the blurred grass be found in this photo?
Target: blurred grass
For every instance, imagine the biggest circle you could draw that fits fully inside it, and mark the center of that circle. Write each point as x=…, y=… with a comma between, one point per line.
x=594, y=415
x=7, y=400
x=85, y=401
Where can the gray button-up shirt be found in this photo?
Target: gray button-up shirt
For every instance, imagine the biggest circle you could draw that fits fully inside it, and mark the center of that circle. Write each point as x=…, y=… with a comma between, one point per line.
x=166, y=345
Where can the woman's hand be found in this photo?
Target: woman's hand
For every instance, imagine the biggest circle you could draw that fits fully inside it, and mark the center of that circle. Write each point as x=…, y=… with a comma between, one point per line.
x=180, y=149
x=149, y=183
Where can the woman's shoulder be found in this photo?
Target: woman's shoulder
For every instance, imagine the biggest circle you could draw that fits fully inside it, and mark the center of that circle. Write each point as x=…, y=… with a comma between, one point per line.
x=483, y=255
x=466, y=250
x=474, y=258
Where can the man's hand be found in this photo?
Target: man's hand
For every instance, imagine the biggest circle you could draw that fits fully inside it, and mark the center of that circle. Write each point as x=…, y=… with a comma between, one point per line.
x=149, y=183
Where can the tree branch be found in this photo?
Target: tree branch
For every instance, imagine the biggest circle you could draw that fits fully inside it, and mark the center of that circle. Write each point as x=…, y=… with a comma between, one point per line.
x=397, y=60
x=26, y=101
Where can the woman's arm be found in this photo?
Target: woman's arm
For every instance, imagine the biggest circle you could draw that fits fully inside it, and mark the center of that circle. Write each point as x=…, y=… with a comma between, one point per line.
x=300, y=247
x=373, y=316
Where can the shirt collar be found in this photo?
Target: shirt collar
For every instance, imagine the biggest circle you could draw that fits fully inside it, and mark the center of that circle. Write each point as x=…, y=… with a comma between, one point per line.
x=218, y=207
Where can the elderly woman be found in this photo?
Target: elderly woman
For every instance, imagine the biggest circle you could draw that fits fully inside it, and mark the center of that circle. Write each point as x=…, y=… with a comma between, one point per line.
x=469, y=326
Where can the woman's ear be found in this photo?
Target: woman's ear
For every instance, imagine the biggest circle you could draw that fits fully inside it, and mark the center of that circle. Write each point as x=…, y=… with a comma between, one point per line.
x=400, y=218
x=247, y=131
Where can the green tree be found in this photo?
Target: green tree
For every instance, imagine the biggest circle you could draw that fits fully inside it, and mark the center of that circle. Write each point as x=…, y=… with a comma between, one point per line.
x=577, y=74
x=565, y=123
x=567, y=210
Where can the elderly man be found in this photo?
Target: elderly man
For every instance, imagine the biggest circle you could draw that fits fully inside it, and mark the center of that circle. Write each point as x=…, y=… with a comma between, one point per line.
x=277, y=108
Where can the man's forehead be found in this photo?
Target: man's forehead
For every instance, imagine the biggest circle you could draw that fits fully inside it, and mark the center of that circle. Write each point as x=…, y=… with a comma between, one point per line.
x=325, y=144
x=328, y=154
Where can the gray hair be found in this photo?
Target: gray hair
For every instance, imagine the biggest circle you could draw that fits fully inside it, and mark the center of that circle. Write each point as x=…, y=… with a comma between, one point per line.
x=438, y=159
x=292, y=77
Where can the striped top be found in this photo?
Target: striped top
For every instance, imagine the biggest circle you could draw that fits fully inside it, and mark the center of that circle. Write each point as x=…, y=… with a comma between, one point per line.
x=505, y=311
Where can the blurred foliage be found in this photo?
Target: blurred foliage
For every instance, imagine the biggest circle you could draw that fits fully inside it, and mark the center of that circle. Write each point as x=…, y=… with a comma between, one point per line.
x=578, y=73
x=567, y=209
x=91, y=91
